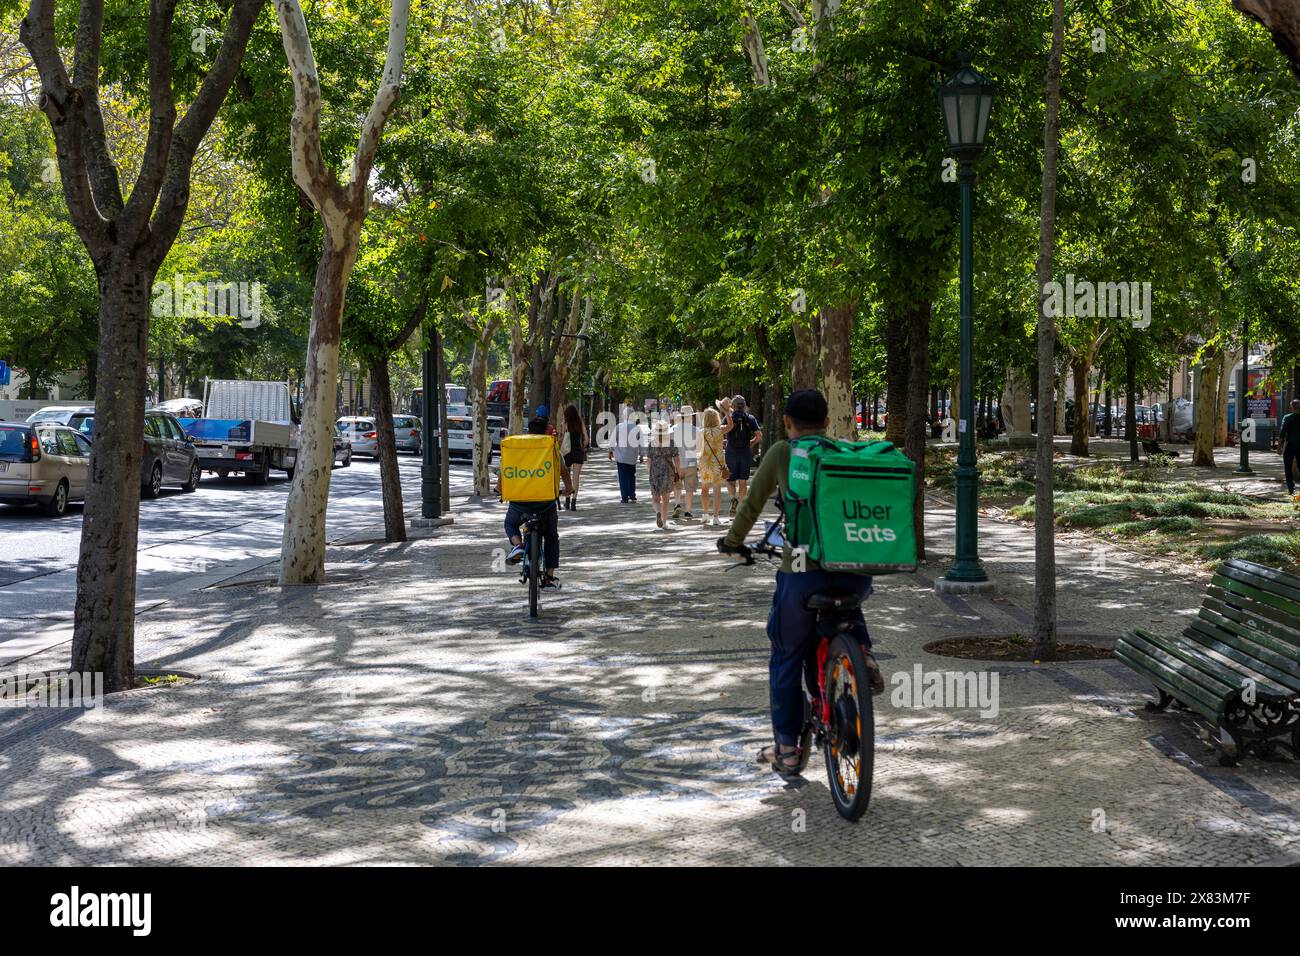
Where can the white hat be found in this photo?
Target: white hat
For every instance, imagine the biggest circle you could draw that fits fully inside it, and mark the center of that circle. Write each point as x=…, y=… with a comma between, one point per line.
x=687, y=411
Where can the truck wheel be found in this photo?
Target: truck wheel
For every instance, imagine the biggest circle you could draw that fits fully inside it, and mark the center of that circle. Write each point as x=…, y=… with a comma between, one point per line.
x=263, y=475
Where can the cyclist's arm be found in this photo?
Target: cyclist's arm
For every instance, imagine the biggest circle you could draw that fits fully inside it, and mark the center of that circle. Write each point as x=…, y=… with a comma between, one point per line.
x=761, y=487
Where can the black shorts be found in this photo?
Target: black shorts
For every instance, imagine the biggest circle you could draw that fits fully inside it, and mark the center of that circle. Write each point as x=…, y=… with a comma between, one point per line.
x=576, y=457
x=739, y=463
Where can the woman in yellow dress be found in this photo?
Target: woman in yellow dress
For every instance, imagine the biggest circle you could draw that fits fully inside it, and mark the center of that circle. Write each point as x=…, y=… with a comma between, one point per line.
x=713, y=466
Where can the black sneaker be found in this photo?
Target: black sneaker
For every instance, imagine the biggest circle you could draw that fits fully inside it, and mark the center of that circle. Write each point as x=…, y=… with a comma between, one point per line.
x=677, y=512
x=550, y=581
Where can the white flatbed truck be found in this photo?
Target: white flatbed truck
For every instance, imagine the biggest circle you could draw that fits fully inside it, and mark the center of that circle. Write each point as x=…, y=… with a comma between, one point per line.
x=247, y=428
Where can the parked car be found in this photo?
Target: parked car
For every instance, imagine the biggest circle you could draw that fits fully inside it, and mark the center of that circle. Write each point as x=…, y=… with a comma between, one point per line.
x=406, y=433
x=361, y=434
x=45, y=464
x=498, y=429
x=71, y=415
x=169, y=455
x=342, y=450
x=460, y=436
x=169, y=458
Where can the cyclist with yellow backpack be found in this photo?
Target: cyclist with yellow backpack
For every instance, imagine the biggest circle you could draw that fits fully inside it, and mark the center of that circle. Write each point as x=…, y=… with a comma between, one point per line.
x=531, y=472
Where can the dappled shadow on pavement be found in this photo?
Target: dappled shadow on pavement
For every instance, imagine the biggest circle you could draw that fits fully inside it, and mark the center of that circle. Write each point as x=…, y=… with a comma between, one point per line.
x=410, y=712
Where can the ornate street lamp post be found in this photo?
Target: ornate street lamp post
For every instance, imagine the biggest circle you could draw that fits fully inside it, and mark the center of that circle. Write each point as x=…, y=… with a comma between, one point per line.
x=967, y=99
x=1243, y=401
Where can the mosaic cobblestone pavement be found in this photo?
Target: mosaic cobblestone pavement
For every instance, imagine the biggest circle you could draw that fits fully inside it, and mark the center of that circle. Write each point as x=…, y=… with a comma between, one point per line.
x=411, y=713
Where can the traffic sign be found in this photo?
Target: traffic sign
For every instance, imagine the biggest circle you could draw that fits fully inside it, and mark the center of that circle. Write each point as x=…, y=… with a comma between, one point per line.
x=4, y=373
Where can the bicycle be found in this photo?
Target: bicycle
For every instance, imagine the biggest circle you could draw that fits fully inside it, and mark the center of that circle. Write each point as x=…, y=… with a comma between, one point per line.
x=530, y=570
x=838, y=713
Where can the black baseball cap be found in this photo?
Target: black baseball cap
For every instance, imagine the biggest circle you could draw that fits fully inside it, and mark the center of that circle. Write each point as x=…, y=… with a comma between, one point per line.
x=807, y=406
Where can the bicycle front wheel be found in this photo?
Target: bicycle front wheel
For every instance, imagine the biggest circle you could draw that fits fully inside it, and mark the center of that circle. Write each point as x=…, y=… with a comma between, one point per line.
x=849, y=747
x=534, y=570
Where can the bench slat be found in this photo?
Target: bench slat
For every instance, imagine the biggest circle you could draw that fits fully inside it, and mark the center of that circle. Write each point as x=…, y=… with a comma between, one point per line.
x=1278, y=578
x=1224, y=680
x=1259, y=646
x=1241, y=657
x=1170, y=680
x=1274, y=629
x=1258, y=589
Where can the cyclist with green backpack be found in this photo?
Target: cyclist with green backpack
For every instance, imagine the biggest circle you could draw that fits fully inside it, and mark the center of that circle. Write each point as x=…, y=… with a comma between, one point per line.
x=871, y=484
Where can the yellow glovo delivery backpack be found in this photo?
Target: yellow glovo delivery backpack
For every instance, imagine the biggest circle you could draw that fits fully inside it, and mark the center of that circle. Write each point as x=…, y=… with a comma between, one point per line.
x=530, y=468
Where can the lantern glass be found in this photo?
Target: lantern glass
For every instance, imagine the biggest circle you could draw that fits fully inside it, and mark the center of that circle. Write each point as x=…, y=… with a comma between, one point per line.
x=967, y=101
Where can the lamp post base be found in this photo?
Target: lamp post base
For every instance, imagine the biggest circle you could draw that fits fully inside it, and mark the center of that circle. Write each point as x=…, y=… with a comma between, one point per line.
x=951, y=586
x=432, y=522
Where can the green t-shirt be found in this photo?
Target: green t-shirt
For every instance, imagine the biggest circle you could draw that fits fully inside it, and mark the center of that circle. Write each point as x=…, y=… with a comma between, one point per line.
x=1291, y=429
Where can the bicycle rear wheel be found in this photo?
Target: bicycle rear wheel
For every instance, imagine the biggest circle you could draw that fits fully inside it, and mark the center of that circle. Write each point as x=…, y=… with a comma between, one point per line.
x=849, y=747
x=534, y=569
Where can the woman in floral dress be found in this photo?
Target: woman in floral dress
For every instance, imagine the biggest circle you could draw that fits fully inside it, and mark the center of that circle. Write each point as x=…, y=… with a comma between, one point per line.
x=663, y=460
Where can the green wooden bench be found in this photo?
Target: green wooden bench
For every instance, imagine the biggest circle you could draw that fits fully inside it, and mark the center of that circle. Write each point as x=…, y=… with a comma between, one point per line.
x=1237, y=664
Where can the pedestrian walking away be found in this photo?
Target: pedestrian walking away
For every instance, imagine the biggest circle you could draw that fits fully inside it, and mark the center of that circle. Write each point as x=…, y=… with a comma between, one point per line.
x=712, y=466
x=742, y=438
x=626, y=452
x=1290, y=447
x=573, y=448
x=686, y=436
x=663, y=459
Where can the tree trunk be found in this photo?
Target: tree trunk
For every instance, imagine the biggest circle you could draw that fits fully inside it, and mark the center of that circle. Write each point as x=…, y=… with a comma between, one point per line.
x=803, y=367
x=302, y=549
x=1058, y=423
x=918, y=383
x=1221, y=406
x=1282, y=19
x=1207, y=399
x=1080, y=368
x=103, y=633
x=837, y=368
x=897, y=359
x=478, y=381
x=1044, y=492
x=390, y=480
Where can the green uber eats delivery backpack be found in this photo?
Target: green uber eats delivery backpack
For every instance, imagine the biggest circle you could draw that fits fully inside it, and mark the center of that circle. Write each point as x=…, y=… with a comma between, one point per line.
x=849, y=505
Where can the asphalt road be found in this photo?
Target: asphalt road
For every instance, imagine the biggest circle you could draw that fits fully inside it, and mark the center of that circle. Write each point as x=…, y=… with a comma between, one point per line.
x=186, y=540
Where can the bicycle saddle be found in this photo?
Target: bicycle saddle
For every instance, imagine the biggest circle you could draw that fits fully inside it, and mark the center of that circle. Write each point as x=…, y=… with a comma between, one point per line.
x=832, y=601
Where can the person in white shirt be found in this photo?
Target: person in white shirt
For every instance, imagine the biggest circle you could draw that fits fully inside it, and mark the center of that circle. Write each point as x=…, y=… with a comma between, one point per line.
x=626, y=452
x=686, y=436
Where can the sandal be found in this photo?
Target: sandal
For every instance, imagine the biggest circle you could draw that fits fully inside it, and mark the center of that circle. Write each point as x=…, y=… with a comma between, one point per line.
x=780, y=760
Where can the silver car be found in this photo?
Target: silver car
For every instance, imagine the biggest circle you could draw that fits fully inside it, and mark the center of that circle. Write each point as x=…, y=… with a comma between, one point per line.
x=361, y=435
x=406, y=433
x=43, y=464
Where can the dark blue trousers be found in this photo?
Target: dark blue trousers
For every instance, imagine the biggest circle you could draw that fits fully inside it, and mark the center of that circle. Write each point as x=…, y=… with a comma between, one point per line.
x=792, y=629
x=626, y=481
x=550, y=523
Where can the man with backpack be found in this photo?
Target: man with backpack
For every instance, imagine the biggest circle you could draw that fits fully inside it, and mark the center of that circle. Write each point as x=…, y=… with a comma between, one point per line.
x=742, y=439
x=791, y=627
